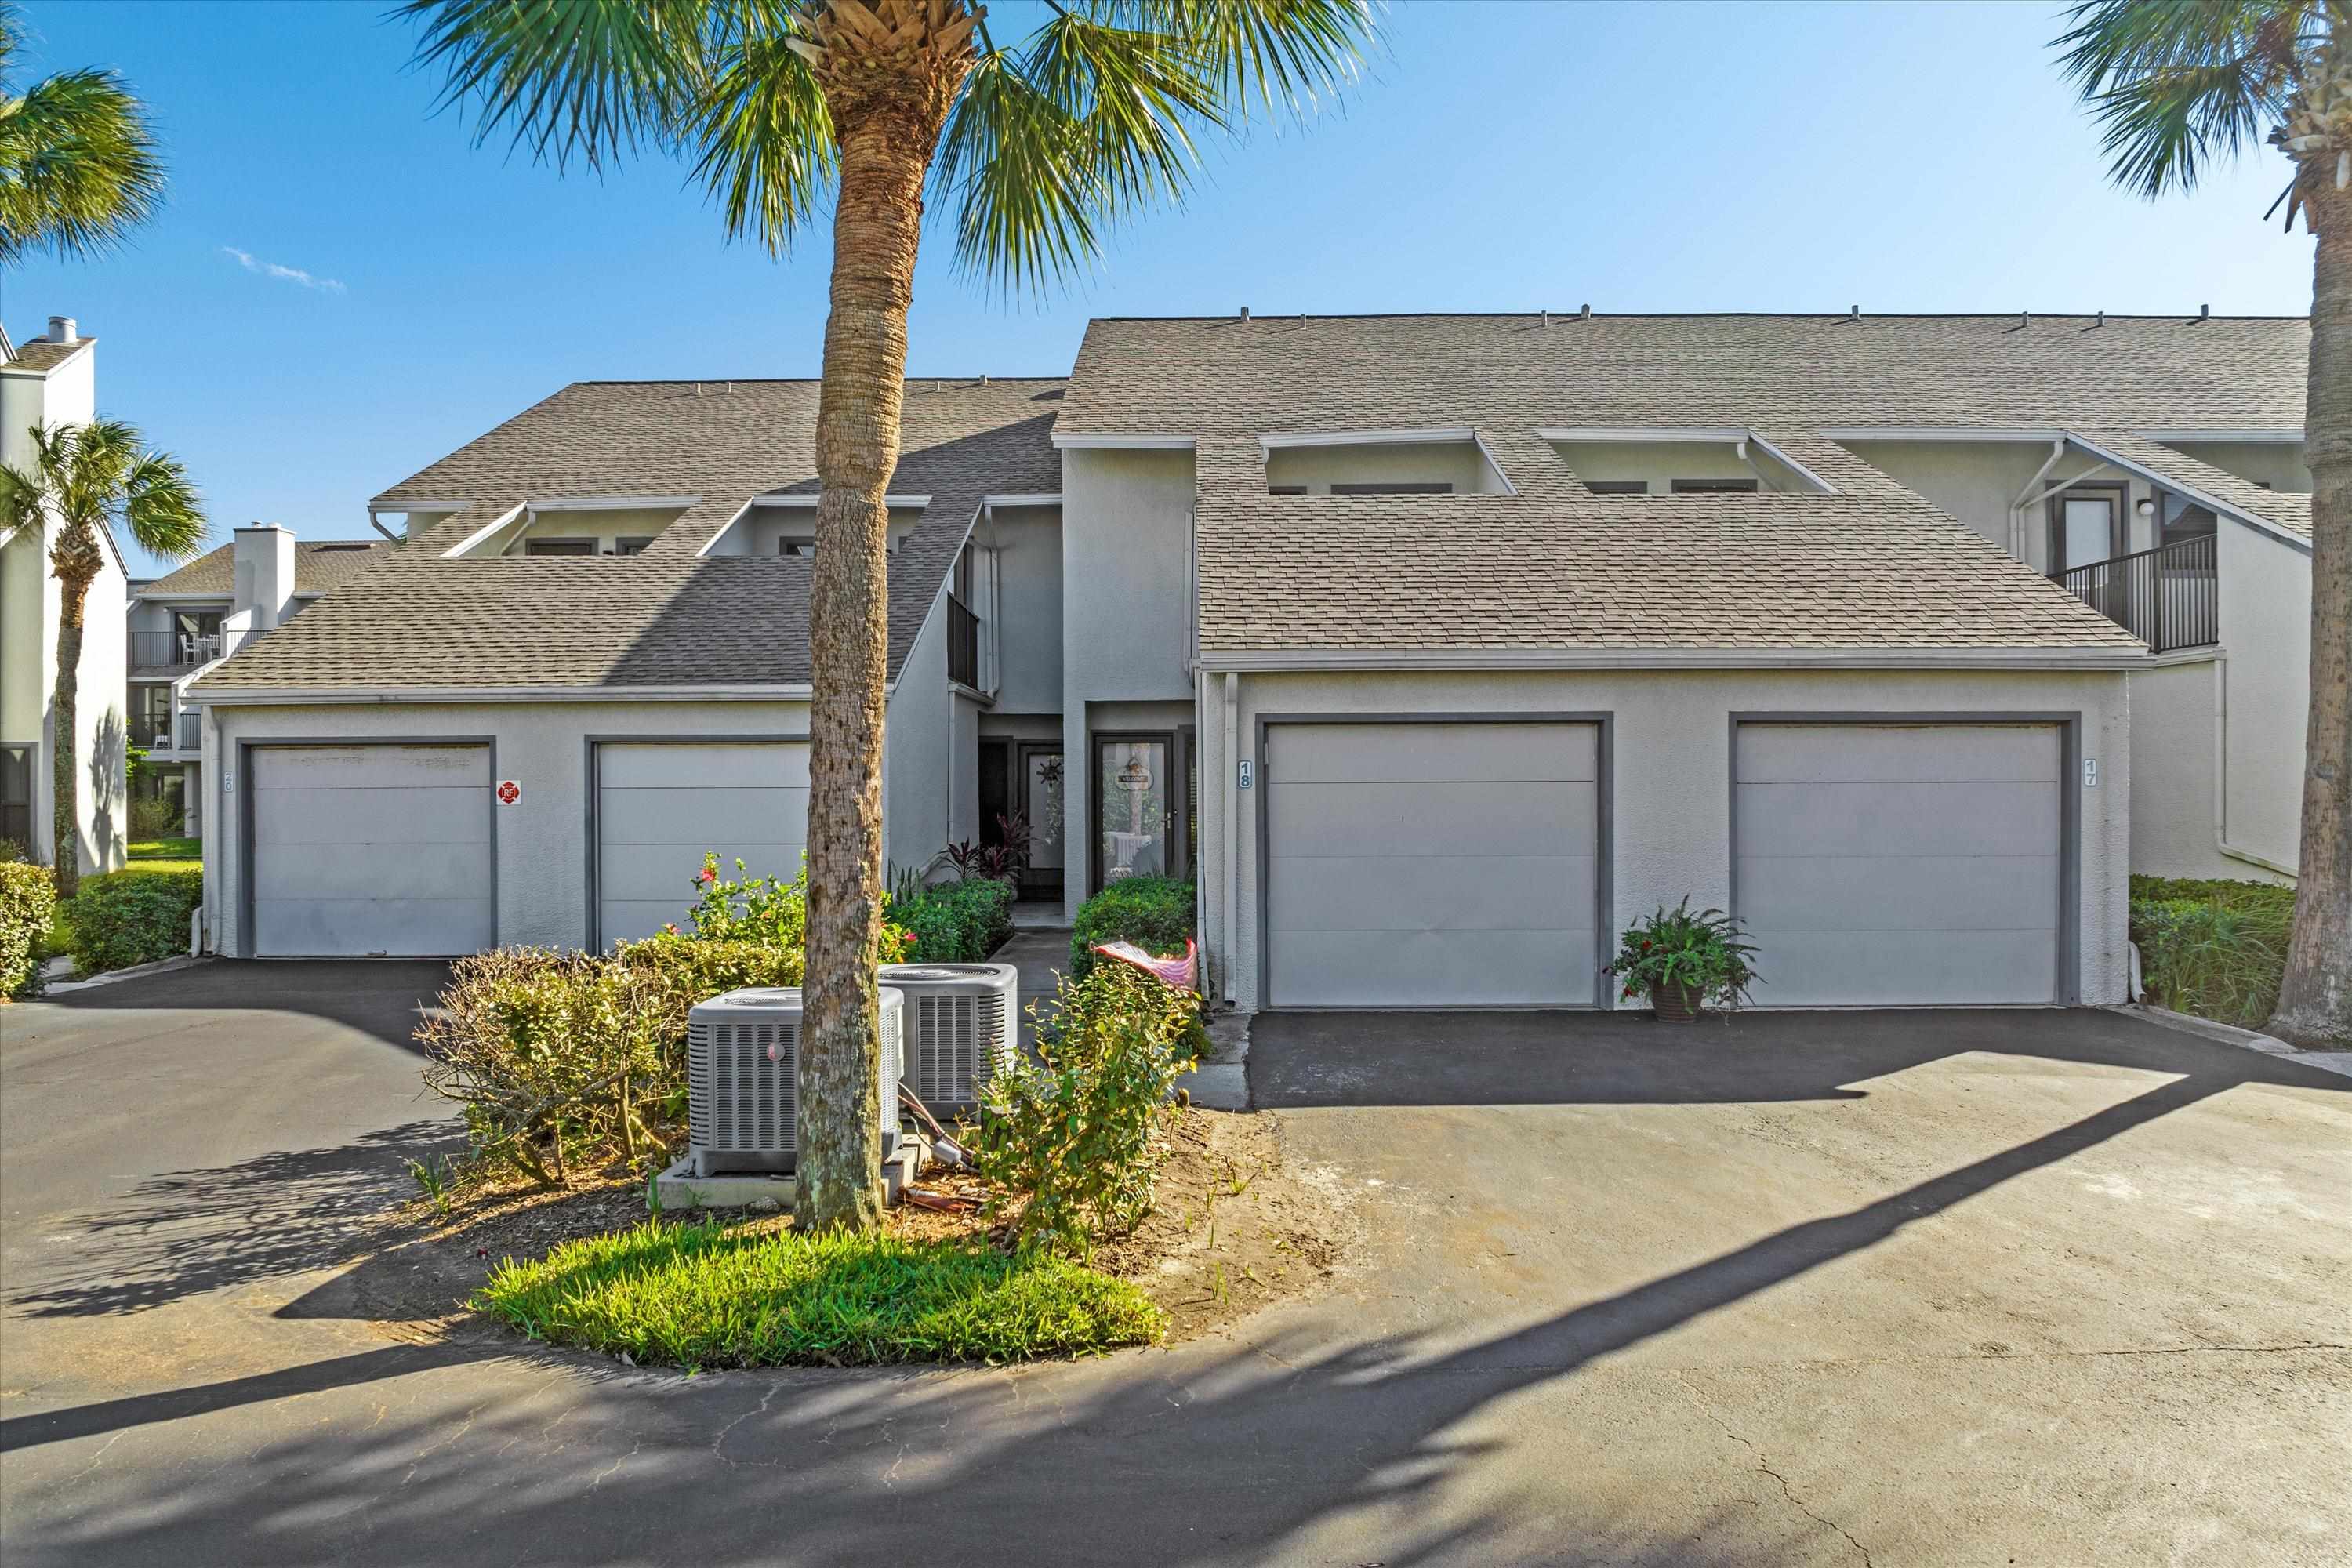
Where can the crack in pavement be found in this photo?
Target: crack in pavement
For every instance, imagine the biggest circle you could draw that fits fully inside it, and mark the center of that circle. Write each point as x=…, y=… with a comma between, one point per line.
x=1765, y=1465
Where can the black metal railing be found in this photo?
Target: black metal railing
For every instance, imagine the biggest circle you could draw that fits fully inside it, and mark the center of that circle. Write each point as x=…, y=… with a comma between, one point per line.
x=2168, y=597
x=174, y=650
x=190, y=727
x=963, y=643
x=179, y=732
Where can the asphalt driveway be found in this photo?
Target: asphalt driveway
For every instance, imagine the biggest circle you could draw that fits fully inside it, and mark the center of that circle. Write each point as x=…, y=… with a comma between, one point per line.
x=1868, y=1287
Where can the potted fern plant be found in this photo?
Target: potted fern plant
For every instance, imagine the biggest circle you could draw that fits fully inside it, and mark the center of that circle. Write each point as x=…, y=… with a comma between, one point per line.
x=1684, y=961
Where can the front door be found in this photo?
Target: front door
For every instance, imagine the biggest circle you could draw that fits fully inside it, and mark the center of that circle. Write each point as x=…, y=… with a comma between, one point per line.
x=1135, y=806
x=1039, y=797
x=2086, y=524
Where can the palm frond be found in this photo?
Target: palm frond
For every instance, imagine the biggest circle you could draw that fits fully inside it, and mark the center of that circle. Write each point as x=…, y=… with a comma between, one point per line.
x=79, y=167
x=2175, y=84
x=1278, y=58
x=765, y=136
x=590, y=80
x=90, y=476
x=1017, y=163
x=160, y=507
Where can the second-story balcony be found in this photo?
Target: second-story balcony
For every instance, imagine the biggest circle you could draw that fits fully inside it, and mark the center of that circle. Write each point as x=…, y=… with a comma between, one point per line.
x=2168, y=597
x=174, y=650
x=179, y=732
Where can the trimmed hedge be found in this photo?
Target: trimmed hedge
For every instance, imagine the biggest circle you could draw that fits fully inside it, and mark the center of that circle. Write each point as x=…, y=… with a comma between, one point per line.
x=956, y=922
x=123, y=918
x=1153, y=912
x=28, y=905
x=2216, y=949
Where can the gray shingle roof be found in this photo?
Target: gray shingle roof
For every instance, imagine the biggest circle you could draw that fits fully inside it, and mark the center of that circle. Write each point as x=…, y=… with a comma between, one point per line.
x=319, y=565
x=668, y=616
x=40, y=354
x=1872, y=566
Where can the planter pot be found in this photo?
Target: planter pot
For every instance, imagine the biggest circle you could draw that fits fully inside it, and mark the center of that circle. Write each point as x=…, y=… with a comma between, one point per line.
x=1675, y=1003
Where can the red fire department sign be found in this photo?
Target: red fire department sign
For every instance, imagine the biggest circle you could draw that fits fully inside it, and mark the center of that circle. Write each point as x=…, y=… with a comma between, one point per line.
x=510, y=792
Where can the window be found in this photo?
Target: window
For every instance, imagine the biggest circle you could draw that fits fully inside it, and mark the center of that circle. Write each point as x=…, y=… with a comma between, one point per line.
x=630, y=546
x=16, y=797
x=1618, y=487
x=559, y=547
x=788, y=545
x=1714, y=487
x=2184, y=519
x=151, y=717
x=1396, y=487
x=1286, y=490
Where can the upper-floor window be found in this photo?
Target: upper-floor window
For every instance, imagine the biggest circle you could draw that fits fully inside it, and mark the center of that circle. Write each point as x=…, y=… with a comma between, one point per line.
x=786, y=525
x=1394, y=488
x=1381, y=463
x=1637, y=461
x=1714, y=487
x=559, y=547
x=611, y=526
x=1618, y=487
x=635, y=546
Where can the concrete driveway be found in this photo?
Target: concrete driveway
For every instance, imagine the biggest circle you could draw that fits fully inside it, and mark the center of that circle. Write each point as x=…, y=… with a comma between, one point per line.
x=1889, y=1289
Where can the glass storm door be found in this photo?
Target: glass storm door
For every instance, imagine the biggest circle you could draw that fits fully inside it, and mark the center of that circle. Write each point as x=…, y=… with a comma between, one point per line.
x=1132, y=815
x=1041, y=801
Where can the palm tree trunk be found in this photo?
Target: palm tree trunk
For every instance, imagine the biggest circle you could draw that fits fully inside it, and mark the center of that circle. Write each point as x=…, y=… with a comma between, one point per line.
x=2315, y=1005
x=887, y=115
x=65, y=798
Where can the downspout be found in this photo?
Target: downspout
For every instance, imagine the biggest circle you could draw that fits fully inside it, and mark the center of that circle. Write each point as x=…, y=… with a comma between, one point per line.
x=2017, y=524
x=1233, y=825
x=2222, y=775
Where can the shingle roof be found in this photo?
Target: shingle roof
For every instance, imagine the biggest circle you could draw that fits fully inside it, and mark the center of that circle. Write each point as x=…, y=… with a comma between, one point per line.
x=668, y=616
x=41, y=354
x=319, y=565
x=1872, y=566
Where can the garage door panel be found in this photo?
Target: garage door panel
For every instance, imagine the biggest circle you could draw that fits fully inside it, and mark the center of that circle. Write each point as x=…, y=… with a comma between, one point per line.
x=1407, y=754
x=388, y=815
x=369, y=927
x=366, y=767
x=701, y=817
x=1432, y=893
x=1433, y=969
x=1409, y=820
x=1900, y=893
x=1956, y=968
x=764, y=764
x=428, y=872
x=1832, y=753
x=1897, y=818
x=665, y=865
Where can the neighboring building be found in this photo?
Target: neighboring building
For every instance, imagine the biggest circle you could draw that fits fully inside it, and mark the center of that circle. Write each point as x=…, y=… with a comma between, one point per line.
x=1440, y=645
x=52, y=381
x=181, y=624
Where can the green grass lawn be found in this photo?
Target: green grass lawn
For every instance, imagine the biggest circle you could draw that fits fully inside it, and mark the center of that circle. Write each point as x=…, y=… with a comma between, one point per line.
x=168, y=855
x=700, y=1295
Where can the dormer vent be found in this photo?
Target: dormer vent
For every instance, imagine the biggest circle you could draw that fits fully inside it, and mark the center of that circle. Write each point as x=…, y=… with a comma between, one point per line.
x=61, y=329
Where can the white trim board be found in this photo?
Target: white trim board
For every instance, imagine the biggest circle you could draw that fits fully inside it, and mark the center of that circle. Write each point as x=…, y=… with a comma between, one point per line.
x=1267, y=660
x=425, y=696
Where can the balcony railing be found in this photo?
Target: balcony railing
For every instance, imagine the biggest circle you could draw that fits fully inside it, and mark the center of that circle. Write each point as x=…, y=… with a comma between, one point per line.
x=174, y=650
x=182, y=732
x=963, y=643
x=2168, y=597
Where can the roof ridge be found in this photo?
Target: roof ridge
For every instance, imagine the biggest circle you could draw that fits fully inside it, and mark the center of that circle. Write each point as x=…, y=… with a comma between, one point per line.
x=1277, y=317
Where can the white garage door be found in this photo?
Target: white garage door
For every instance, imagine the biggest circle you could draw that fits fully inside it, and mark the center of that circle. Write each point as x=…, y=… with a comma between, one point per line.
x=1444, y=865
x=368, y=851
x=661, y=806
x=1894, y=863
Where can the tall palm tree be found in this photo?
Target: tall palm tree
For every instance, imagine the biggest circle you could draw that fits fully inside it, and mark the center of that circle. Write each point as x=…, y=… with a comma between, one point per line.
x=2177, y=83
x=1037, y=145
x=85, y=480
x=78, y=163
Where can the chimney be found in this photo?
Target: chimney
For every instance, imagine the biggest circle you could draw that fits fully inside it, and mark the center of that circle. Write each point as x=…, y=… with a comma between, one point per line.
x=264, y=553
x=61, y=329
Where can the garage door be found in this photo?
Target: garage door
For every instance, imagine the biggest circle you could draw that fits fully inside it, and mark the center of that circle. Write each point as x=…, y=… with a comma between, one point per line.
x=1894, y=864
x=1431, y=865
x=661, y=806
x=366, y=851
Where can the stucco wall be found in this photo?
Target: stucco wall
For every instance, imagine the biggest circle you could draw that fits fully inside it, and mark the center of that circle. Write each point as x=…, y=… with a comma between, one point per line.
x=542, y=845
x=2265, y=615
x=1126, y=603
x=2278, y=464
x=1660, y=463
x=1458, y=463
x=2173, y=773
x=23, y=662
x=1028, y=612
x=1671, y=784
x=1976, y=481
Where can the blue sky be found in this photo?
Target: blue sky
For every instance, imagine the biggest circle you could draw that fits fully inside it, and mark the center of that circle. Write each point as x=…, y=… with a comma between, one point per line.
x=1506, y=156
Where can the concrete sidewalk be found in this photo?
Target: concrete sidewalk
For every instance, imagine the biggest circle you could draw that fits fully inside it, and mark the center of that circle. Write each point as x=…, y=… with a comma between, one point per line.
x=1219, y=1083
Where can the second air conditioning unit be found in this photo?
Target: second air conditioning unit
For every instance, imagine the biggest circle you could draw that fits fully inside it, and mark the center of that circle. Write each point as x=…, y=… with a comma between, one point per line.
x=743, y=1089
x=960, y=1026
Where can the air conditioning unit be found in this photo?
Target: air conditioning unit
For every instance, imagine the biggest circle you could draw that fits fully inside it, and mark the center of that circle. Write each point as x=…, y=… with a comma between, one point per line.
x=742, y=1062
x=960, y=1026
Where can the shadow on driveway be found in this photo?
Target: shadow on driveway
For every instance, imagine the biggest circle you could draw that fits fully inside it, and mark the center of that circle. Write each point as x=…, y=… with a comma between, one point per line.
x=378, y=996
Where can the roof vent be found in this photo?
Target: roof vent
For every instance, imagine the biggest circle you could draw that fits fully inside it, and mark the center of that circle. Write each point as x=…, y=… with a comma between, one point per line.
x=1245, y=313
x=1586, y=313
x=2204, y=313
x=1853, y=313
x=61, y=329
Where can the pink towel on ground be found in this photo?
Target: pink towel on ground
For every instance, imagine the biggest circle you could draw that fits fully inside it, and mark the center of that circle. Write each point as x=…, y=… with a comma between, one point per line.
x=1183, y=974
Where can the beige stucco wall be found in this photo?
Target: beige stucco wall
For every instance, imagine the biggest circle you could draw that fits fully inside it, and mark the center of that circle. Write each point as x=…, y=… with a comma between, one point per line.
x=1027, y=621
x=1457, y=463
x=2172, y=740
x=2278, y=464
x=543, y=846
x=1671, y=788
x=1976, y=481
x=1660, y=463
x=761, y=527
x=605, y=528
x=2265, y=615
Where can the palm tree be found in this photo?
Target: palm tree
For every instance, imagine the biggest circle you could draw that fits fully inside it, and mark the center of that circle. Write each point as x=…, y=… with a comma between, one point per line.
x=1037, y=145
x=78, y=162
x=85, y=480
x=2177, y=83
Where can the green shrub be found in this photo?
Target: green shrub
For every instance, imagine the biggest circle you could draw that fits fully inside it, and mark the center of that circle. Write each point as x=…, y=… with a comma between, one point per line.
x=956, y=922
x=124, y=918
x=154, y=819
x=1153, y=912
x=28, y=905
x=2212, y=948
x=697, y=1295
x=1073, y=1129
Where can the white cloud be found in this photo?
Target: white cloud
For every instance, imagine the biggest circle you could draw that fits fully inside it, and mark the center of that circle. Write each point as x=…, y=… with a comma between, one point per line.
x=253, y=263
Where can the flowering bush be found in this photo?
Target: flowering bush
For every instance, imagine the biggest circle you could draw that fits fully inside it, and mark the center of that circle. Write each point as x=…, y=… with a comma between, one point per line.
x=955, y=922
x=1705, y=953
x=766, y=910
